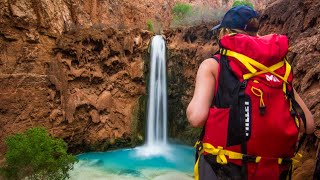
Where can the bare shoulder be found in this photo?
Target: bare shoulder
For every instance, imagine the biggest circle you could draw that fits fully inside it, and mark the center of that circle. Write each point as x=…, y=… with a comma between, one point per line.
x=209, y=64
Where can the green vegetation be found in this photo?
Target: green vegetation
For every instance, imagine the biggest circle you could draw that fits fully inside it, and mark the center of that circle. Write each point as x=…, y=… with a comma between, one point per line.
x=35, y=155
x=181, y=10
x=242, y=2
x=150, y=25
x=187, y=15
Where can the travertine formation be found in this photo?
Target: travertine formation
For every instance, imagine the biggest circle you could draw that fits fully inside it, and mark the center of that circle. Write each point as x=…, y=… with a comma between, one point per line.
x=83, y=86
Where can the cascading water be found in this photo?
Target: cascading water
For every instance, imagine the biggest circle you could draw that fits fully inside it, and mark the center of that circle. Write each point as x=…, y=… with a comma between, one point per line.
x=157, y=159
x=157, y=103
x=156, y=144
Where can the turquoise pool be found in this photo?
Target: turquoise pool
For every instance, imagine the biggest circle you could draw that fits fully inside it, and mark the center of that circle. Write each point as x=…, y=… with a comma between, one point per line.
x=167, y=161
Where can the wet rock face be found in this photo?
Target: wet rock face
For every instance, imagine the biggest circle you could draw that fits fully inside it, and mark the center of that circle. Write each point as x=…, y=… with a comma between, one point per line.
x=84, y=86
x=99, y=69
x=187, y=48
x=300, y=20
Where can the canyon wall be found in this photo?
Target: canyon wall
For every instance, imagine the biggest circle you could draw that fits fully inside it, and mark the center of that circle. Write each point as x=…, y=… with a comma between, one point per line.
x=53, y=17
x=85, y=86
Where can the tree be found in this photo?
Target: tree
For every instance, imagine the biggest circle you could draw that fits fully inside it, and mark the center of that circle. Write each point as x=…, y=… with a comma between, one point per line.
x=242, y=2
x=34, y=154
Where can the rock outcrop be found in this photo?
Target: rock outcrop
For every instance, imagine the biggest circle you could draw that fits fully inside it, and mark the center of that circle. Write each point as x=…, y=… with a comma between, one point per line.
x=84, y=86
x=54, y=17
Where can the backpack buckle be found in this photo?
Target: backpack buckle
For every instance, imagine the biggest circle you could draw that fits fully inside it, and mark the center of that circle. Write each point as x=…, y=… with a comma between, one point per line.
x=249, y=158
x=293, y=113
x=199, y=146
x=286, y=161
x=244, y=84
x=262, y=110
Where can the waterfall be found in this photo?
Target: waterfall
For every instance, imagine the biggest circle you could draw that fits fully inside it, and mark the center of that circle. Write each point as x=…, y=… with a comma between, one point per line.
x=157, y=102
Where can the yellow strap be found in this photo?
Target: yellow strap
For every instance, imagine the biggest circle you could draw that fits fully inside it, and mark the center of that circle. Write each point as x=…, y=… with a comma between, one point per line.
x=296, y=119
x=242, y=58
x=286, y=75
x=295, y=159
x=221, y=155
x=272, y=68
x=219, y=152
x=196, y=144
x=196, y=170
x=247, y=62
x=288, y=70
x=254, y=91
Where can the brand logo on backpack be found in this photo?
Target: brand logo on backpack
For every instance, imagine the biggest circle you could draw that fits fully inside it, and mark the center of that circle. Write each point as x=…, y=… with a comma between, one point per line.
x=247, y=117
x=272, y=78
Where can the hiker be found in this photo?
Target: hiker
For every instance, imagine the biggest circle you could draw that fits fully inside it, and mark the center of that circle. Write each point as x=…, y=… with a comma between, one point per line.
x=244, y=100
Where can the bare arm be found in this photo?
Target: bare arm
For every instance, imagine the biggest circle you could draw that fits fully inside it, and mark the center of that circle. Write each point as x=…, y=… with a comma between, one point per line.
x=307, y=113
x=198, y=108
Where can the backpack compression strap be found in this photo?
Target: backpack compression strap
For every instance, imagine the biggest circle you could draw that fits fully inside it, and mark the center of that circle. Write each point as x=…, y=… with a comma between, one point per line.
x=222, y=156
x=250, y=63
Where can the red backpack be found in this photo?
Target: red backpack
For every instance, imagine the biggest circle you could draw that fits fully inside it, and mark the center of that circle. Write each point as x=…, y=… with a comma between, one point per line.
x=254, y=120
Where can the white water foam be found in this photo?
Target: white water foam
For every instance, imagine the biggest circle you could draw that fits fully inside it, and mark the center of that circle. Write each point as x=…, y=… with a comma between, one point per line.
x=157, y=101
x=149, y=151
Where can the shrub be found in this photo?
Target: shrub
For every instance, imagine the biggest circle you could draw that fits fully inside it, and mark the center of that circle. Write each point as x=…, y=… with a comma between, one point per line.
x=36, y=155
x=198, y=15
x=181, y=10
x=150, y=25
x=242, y=2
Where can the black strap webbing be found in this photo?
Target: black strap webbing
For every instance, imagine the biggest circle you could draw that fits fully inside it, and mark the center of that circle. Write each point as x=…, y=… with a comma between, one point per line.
x=244, y=169
x=299, y=112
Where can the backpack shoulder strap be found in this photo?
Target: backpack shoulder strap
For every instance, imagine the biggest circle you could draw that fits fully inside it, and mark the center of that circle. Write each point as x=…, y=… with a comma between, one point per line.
x=298, y=112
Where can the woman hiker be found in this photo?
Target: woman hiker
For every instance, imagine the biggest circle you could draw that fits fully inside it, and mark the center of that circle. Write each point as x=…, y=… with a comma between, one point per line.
x=244, y=100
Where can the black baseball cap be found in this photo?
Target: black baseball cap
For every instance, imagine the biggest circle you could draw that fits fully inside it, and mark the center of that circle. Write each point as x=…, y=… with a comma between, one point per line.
x=238, y=18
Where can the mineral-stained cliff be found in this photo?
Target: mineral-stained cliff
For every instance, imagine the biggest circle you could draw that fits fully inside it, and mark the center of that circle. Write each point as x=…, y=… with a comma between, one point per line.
x=53, y=17
x=84, y=86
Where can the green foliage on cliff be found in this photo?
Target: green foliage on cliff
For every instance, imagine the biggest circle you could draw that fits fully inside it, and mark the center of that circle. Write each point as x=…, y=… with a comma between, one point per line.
x=150, y=25
x=34, y=154
x=181, y=10
x=242, y=2
x=187, y=15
